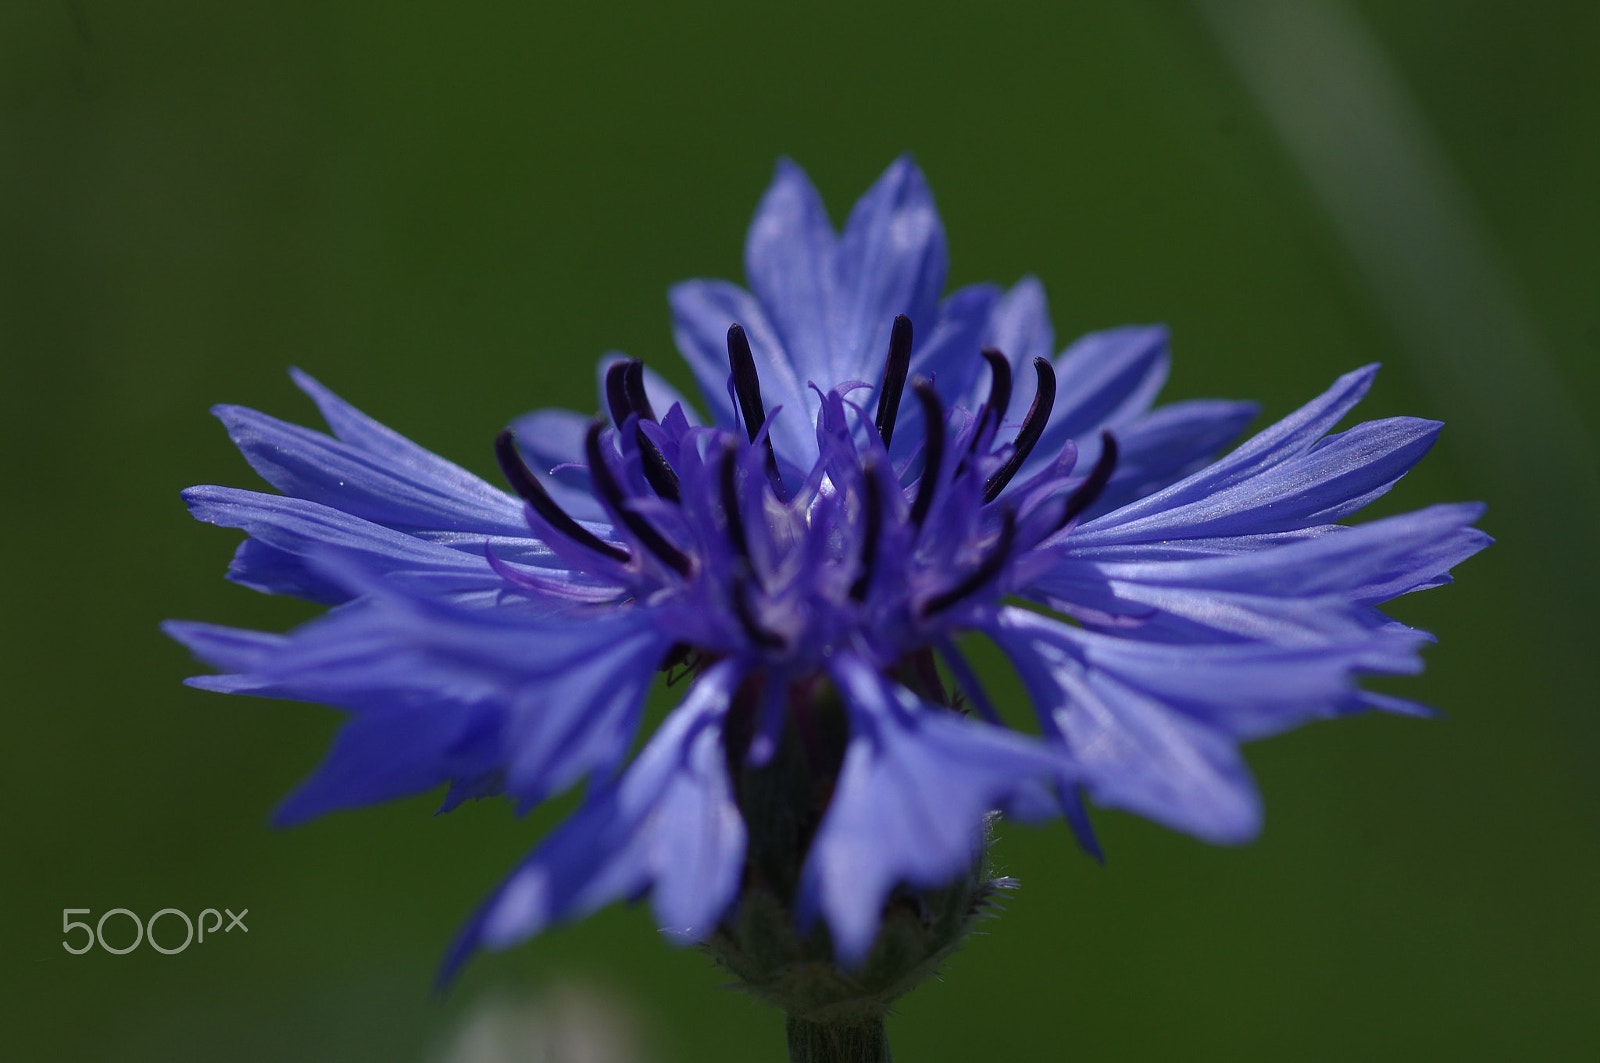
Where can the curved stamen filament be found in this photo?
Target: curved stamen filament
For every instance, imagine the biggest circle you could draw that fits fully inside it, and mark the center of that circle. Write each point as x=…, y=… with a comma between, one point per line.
x=895, y=368
x=1089, y=491
x=526, y=485
x=746, y=381
x=625, y=397
x=633, y=384
x=663, y=481
x=606, y=484
x=987, y=569
x=1032, y=429
x=932, y=450
x=999, y=393
x=617, y=393
x=747, y=620
x=872, y=528
x=747, y=386
x=730, y=500
x=992, y=410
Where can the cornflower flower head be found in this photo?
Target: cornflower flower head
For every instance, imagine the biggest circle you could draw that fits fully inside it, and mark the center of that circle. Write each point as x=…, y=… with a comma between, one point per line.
x=882, y=472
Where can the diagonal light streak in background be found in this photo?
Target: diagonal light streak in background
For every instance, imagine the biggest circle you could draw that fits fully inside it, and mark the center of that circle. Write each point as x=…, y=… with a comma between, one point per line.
x=1374, y=165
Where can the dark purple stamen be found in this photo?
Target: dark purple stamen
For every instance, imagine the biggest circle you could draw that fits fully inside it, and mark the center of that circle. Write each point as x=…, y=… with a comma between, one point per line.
x=1032, y=429
x=730, y=500
x=758, y=634
x=999, y=392
x=1088, y=492
x=992, y=410
x=747, y=386
x=525, y=484
x=746, y=382
x=932, y=449
x=895, y=368
x=663, y=481
x=617, y=393
x=625, y=397
x=606, y=485
x=872, y=528
x=633, y=382
x=987, y=569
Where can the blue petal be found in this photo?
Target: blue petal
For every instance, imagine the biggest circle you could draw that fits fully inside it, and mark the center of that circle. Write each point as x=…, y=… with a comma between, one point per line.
x=892, y=260
x=300, y=528
x=551, y=442
x=1152, y=728
x=1020, y=328
x=1370, y=563
x=406, y=750
x=1311, y=591
x=233, y=648
x=948, y=355
x=442, y=694
x=662, y=395
x=790, y=264
x=1245, y=690
x=702, y=311
x=273, y=571
x=1104, y=378
x=823, y=307
x=1164, y=445
x=910, y=802
x=1316, y=486
x=1077, y=817
x=1104, y=381
x=1130, y=750
x=373, y=472
x=669, y=825
x=310, y=465
x=1288, y=438
x=1167, y=614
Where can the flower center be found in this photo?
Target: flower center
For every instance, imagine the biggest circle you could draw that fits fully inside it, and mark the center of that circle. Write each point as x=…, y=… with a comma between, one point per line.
x=774, y=568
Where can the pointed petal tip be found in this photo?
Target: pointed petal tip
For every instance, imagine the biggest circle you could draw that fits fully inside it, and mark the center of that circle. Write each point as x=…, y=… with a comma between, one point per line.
x=1363, y=375
x=1233, y=836
x=462, y=946
x=296, y=809
x=1235, y=824
x=204, y=682
x=905, y=166
x=481, y=933
x=681, y=295
x=313, y=388
x=786, y=164
x=178, y=630
x=789, y=178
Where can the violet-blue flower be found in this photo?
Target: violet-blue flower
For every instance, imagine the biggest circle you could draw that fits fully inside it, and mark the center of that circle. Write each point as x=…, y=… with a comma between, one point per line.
x=884, y=470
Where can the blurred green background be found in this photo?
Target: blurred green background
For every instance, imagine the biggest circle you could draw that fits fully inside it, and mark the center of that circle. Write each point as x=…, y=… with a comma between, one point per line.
x=447, y=212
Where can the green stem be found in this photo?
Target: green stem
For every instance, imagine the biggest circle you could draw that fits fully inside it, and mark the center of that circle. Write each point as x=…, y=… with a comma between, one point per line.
x=857, y=1042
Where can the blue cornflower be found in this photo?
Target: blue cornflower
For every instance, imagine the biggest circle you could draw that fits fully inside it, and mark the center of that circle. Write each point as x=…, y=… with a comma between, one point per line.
x=883, y=472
